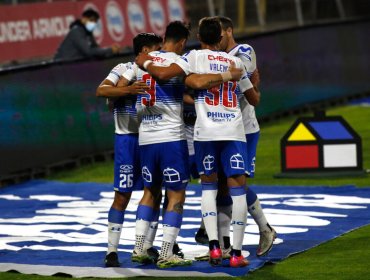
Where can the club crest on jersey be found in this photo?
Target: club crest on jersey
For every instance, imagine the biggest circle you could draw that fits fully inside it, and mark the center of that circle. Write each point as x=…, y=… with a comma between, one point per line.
x=126, y=168
x=208, y=162
x=147, y=176
x=237, y=162
x=171, y=175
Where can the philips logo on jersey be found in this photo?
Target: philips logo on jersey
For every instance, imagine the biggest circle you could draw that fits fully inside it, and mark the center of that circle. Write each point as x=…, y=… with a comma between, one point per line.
x=220, y=117
x=156, y=117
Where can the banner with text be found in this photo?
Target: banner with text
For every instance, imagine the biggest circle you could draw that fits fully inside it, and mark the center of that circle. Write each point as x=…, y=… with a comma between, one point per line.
x=36, y=30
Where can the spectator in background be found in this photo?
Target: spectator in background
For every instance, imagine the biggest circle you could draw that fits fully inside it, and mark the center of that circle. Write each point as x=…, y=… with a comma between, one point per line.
x=80, y=42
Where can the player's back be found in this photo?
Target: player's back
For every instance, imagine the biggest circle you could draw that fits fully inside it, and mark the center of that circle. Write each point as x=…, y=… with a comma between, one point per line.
x=218, y=111
x=160, y=108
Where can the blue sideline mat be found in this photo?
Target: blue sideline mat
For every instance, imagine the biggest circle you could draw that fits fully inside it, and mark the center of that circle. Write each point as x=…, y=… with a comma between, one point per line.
x=51, y=227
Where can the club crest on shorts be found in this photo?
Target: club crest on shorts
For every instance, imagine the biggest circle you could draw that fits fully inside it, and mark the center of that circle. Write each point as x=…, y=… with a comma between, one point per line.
x=208, y=162
x=147, y=176
x=237, y=162
x=171, y=175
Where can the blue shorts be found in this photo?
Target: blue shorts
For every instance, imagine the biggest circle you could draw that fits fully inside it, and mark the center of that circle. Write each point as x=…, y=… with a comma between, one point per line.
x=230, y=156
x=165, y=164
x=252, y=140
x=127, y=171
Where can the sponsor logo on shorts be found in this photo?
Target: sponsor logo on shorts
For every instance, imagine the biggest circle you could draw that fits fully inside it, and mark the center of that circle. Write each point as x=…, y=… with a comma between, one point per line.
x=126, y=168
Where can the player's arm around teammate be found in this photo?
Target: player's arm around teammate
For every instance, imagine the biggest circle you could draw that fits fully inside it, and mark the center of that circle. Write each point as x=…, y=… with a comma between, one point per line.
x=127, y=175
x=195, y=81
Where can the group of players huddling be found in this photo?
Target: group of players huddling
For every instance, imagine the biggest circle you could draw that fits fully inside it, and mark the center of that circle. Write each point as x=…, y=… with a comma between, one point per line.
x=158, y=144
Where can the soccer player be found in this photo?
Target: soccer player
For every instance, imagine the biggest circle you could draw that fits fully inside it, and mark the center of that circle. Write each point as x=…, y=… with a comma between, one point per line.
x=267, y=234
x=247, y=55
x=164, y=154
x=127, y=172
x=219, y=132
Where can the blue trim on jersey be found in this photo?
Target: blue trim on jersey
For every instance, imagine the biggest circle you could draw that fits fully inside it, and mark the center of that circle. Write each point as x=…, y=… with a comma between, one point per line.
x=115, y=73
x=233, y=48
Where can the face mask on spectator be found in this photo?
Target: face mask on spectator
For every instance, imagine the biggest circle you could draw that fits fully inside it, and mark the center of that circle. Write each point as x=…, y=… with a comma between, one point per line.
x=90, y=26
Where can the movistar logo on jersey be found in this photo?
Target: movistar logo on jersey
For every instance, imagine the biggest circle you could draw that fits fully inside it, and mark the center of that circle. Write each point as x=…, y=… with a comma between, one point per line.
x=156, y=117
x=220, y=117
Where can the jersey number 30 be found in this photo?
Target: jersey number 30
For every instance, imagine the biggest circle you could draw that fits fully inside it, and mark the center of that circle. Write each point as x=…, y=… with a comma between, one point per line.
x=224, y=93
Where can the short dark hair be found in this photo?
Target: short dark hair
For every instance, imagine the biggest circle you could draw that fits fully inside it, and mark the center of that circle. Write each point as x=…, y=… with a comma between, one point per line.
x=176, y=31
x=210, y=30
x=142, y=40
x=225, y=22
x=90, y=13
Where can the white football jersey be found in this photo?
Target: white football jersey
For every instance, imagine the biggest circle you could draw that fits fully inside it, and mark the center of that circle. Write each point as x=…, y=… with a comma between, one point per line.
x=160, y=109
x=218, y=111
x=124, y=110
x=247, y=55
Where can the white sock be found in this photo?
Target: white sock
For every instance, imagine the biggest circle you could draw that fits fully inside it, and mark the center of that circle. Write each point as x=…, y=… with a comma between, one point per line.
x=209, y=213
x=114, y=235
x=258, y=216
x=223, y=221
x=141, y=231
x=152, y=231
x=169, y=238
x=239, y=220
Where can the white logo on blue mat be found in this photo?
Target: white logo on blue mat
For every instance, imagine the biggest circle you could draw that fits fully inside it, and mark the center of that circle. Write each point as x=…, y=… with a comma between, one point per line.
x=208, y=162
x=171, y=175
x=147, y=176
x=237, y=162
x=62, y=223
